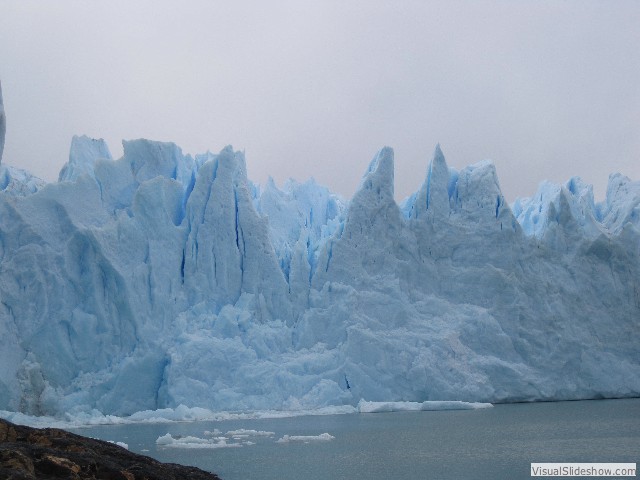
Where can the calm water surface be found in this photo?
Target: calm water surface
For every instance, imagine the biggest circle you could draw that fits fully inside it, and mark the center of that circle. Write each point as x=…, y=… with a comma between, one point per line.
x=494, y=443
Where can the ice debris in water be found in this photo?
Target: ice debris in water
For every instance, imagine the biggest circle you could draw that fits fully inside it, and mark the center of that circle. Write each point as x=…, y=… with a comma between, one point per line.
x=323, y=437
x=194, y=442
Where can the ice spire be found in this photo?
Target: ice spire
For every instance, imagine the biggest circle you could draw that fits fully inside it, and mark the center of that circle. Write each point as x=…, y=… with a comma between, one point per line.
x=433, y=198
x=379, y=175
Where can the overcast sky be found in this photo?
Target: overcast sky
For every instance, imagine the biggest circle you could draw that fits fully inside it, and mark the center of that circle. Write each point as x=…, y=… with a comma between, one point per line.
x=546, y=90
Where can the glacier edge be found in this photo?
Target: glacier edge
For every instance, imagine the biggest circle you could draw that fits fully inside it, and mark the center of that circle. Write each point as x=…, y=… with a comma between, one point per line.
x=158, y=279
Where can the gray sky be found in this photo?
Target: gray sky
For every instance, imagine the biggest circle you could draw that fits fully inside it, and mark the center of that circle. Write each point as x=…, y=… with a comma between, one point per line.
x=546, y=90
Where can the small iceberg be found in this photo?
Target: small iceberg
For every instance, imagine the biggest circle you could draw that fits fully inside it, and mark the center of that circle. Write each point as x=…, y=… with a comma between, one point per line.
x=323, y=437
x=194, y=442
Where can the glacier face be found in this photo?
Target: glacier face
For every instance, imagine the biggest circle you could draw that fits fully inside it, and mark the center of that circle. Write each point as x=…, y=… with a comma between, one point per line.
x=3, y=124
x=161, y=279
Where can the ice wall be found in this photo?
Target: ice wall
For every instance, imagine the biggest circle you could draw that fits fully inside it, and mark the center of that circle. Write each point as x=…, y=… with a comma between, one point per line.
x=159, y=279
x=3, y=124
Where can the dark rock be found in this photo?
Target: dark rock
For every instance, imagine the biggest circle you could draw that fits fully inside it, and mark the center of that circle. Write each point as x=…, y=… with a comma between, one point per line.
x=28, y=453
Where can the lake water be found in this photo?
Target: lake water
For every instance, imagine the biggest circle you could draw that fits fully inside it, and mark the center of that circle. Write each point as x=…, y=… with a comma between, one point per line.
x=493, y=443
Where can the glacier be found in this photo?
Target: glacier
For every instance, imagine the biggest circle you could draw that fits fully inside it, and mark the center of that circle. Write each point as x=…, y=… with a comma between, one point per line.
x=161, y=280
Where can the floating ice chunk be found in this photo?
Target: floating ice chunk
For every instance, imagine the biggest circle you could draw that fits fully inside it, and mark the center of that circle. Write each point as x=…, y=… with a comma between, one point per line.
x=194, y=442
x=378, y=407
x=120, y=444
x=166, y=439
x=249, y=433
x=323, y=437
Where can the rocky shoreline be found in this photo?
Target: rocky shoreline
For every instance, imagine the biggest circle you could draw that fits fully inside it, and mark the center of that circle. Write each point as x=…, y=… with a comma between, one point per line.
x=28, y=453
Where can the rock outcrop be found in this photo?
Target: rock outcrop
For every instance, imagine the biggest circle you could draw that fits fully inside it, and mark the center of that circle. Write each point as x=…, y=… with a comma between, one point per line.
x=29, y=453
